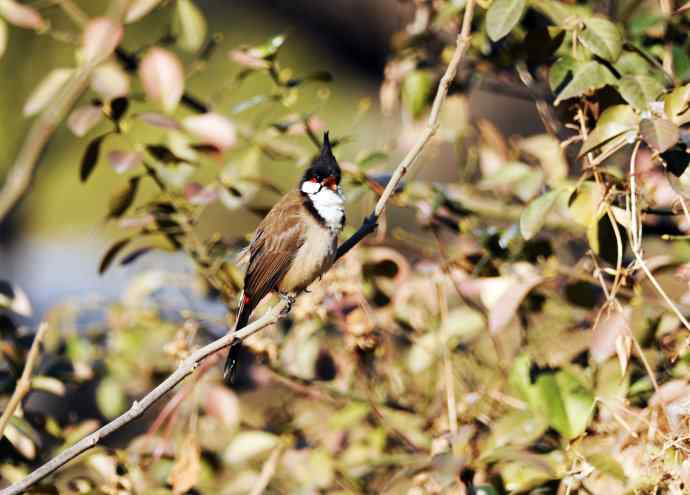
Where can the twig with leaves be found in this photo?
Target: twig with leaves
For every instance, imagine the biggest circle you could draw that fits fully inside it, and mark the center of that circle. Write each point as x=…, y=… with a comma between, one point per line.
x=18, y=179
x=24, y=383
x=191, y=363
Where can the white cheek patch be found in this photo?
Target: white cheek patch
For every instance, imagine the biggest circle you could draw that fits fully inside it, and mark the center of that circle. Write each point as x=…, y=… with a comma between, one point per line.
x=310, y=187
x=329, y=204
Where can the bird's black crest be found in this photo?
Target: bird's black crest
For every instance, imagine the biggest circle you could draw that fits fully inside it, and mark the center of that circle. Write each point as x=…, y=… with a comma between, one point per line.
x=324, y=165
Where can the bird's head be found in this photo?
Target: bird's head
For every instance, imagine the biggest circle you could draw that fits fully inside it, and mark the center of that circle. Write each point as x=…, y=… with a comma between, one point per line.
x=324, y=171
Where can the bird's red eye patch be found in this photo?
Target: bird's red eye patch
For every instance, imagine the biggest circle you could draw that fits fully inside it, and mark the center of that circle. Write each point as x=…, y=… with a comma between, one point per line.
x=313, y=179
x=330, y=183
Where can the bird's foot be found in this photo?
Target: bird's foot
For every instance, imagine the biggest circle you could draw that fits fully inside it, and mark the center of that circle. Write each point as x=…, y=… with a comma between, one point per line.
x=289, y=300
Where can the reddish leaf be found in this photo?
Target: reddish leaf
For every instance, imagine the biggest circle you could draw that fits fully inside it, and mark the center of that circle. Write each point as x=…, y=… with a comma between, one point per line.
x=612, y=325
x=159, y=120
x=162, y=76
x=110, y=81
x=211, y=128
x=122, y=161
x=101, y=37
x=83, y=119
x=21, y=15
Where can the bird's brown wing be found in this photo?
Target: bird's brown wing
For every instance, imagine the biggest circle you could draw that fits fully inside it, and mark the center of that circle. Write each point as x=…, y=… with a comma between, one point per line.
x=278, y=238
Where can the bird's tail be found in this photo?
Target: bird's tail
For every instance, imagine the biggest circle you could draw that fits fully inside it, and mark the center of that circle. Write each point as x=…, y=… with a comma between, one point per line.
x=243, y=314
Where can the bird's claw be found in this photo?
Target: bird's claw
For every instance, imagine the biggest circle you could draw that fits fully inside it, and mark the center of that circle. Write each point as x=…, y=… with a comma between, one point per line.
x=289, y=300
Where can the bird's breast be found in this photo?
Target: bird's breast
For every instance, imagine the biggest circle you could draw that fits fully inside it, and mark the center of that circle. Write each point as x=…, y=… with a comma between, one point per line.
x=314, y=256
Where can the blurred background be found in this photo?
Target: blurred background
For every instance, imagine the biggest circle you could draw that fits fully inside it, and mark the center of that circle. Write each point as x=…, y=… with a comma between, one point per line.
x=52, y=243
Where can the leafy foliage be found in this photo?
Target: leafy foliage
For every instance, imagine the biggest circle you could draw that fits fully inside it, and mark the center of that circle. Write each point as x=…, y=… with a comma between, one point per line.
x=525, y=335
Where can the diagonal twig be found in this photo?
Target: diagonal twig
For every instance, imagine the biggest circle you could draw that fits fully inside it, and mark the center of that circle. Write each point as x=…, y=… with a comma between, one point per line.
x=190, y=364
x=186, y=368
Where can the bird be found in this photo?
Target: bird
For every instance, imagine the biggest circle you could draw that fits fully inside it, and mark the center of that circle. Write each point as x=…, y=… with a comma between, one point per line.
x=296, y=242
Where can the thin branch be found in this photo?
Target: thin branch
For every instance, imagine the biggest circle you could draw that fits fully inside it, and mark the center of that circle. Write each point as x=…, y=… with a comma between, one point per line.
x=268, y=471
x=190, y=364
x=24, y=383
x=370, y=223
x=186, y=368
x=447, y=378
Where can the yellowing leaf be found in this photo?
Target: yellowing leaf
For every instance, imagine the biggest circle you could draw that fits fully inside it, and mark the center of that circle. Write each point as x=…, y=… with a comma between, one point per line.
x=191, y=26
x=659, y=134
x=140, y=8
x=3, y=37
x=249, y=444
x=549, y=152
x=187, y=468
x=615, y=121
x=676, y=105
x=585, y=204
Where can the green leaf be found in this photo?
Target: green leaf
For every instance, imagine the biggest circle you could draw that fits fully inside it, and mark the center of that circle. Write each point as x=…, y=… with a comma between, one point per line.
x=502, y=17
x=111, y=253
x=191, y=26
x=90, y=158
x=681, y=62
x=618, y=120
x=534, y=216
x=559, y=71
x=416, y=90
x=559, y=12
x=110, y=398
x=588, y=76
x=639, y=90
x=659, y=134
x=568, y=404
x=602, y=38
x=632, y=63
x=123, y=198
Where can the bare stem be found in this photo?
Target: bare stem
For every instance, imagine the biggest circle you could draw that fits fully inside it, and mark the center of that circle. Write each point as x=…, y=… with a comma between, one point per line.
x=461, y=44
x=24, y=383
x=186, y=368
x=189, y=365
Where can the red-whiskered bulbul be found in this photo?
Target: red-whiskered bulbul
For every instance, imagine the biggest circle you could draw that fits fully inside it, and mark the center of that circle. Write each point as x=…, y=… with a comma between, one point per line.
x=297, y=240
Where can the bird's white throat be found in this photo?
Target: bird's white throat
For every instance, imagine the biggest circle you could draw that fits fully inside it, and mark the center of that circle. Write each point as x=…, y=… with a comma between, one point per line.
x=329, y=204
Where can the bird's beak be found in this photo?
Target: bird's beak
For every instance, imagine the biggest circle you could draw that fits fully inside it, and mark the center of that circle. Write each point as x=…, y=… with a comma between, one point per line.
x=330, y=183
